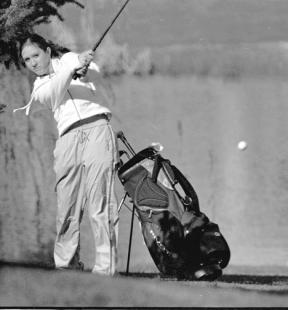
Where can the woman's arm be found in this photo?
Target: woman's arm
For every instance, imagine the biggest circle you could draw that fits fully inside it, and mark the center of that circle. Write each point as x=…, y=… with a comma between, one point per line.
x=53, y=90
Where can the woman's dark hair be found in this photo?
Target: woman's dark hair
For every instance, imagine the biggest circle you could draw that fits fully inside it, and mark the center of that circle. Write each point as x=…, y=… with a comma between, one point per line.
x=34, y=38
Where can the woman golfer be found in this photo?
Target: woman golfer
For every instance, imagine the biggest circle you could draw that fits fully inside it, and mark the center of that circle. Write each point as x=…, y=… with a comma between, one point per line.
x=85, y=154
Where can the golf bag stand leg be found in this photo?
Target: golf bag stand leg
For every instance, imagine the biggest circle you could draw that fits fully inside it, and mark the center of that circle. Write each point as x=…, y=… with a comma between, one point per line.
x=130, y=240
x=120, y=135
x=131, y=229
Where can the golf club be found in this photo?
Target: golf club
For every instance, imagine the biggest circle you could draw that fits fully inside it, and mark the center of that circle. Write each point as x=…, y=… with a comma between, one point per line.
x=77, y=75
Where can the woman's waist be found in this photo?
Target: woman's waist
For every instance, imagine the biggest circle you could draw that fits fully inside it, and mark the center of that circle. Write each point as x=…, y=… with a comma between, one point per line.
x=68, y=121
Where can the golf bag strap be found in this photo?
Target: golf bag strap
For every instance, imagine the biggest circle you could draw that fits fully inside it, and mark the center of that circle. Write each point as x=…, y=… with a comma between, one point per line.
x=169, y=171
x=159, y=163
x=156, y=168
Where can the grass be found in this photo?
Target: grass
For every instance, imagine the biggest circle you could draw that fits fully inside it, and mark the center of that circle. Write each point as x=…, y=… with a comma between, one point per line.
x=34, y=287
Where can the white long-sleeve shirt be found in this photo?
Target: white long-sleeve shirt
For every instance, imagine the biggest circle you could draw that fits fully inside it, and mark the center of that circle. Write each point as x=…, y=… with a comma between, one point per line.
x=70, y=100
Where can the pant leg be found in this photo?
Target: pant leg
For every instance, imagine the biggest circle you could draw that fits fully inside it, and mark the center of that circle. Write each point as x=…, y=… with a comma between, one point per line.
x=71, y=199
x=100, y=159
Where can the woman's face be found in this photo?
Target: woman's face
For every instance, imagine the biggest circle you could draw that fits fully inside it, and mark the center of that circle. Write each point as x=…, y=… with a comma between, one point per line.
x=36, y=59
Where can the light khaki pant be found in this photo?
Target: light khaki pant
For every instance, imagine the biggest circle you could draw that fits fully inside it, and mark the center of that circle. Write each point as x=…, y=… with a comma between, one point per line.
x=85, y=160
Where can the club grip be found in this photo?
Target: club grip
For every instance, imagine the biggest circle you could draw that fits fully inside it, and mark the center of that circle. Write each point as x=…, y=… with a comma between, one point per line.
x=76, y=76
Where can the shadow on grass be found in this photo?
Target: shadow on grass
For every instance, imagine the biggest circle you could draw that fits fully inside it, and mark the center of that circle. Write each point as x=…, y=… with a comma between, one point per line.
x=272, y=284
x=231, y=278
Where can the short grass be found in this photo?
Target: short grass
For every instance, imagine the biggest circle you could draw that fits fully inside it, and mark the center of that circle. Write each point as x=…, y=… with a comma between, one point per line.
x=34, y=287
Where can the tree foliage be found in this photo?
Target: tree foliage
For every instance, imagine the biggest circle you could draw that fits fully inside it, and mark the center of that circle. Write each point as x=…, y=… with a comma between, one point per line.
x=19, y=17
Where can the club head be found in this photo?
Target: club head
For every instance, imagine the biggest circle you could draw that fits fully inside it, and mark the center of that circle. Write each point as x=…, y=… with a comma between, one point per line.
x=157, y=146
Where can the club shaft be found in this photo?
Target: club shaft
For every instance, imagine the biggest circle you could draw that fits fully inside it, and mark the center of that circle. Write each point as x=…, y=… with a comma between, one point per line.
x=108, y=28
x=77, y=75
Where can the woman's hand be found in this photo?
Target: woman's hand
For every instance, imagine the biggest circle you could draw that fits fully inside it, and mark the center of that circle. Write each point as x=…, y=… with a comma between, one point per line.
x=84, y=58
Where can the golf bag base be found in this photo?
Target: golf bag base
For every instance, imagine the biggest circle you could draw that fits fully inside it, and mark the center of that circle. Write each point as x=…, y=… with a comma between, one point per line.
x=182, y=241
x=206, y=273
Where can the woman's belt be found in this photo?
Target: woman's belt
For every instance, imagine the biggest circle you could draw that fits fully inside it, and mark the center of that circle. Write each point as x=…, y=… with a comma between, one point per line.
x=88, y=120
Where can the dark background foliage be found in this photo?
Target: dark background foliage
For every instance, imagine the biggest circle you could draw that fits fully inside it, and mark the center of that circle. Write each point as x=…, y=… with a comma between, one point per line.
x=19, y=17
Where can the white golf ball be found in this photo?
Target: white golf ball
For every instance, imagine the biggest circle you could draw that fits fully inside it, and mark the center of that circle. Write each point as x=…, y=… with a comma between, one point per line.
x=242, y=145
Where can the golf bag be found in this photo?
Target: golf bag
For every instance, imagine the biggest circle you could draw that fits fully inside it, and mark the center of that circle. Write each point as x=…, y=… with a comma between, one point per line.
x=183, y=243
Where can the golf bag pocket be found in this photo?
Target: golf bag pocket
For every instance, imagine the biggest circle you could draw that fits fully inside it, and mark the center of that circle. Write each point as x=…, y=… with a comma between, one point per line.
x=149, y=193
x=143, y=191
x=213, y=246
x=163, y=237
